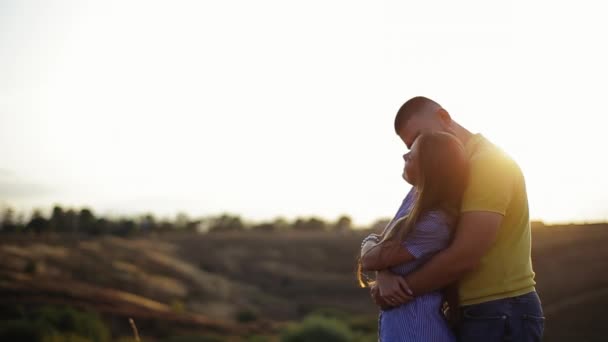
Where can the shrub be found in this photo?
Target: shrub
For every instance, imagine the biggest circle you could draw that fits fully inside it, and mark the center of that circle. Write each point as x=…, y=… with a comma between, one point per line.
x=31, y=267
x=245, y=316
x=316, y=328
x=178, y=306
x=23, y=331
x=65, y=338
x=332, y=313
x=51, y=324
x=126, y=339
x=364, y=324
x=195, y=338
x=257, y=338
x=68, y=320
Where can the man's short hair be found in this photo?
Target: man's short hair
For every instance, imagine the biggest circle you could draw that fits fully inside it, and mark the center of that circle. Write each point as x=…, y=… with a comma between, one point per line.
x=411, y=107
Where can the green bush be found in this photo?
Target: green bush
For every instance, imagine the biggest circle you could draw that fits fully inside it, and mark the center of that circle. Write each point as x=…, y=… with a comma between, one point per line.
x=358, y=324
x=245, y=316
x=11, y=312
x=68, y=320
x=31, y=267
x=23, y=331
x=126, y=339
x=178, y=306
x=195, y=338
x=317, y=328
x=51, y=324
x=330, y=313
x=257, y=338
x=366, y=338
x=65, y=338
x=364, y=324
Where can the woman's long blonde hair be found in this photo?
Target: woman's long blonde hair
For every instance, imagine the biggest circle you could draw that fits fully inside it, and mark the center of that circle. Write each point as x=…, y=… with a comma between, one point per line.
x=442, y=179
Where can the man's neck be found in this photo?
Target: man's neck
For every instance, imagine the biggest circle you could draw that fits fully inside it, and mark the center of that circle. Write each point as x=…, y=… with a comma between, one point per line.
x=461, y=133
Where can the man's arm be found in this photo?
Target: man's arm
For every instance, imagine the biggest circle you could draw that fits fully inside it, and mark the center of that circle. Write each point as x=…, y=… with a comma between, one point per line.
x=491, y=182
x=475, y=235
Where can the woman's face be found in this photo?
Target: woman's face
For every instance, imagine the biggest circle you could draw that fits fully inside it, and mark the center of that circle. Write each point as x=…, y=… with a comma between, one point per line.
x=411, y=169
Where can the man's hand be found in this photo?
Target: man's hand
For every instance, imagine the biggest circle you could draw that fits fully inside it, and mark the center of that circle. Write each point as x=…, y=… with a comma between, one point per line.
x=378, y=300
x=392, y=288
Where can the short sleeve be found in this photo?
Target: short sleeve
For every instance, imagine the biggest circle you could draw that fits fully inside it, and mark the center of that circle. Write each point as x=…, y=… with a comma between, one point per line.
x=490, y=186
x=430, y=235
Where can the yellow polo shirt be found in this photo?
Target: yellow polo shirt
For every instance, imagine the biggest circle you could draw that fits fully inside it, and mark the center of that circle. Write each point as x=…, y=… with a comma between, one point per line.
x=496, y=184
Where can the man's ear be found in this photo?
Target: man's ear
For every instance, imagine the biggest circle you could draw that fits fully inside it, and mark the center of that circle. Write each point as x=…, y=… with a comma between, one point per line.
x=444, y=117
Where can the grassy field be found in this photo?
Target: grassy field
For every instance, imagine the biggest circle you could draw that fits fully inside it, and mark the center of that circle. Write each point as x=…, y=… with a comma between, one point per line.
x=234, y=285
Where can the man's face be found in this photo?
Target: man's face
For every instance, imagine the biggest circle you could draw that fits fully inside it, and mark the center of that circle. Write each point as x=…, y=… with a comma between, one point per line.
x=418, y=125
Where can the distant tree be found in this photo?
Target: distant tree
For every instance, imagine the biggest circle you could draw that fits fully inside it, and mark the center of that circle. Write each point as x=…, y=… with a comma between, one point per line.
x=312, y=224
x=20, y=221
x=265, y=227
x=125, y=227
x=70, y=218
x=316, y=224
x=147, y=223
x=299, y=224
x=57, y=221
x=344, y=223
x=193, y=225
x=9, y=224
x=281, y=223
x=182, y=221
x=226, y=223
x=38, y=224
x=101, y=226
x=165, y=226
x=86, y=221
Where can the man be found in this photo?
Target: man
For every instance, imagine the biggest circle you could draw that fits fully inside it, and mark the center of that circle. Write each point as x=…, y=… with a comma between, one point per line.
x=489, y=256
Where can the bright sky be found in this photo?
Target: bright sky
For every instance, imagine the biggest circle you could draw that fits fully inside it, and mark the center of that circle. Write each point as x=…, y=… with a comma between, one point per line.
x=268, y=108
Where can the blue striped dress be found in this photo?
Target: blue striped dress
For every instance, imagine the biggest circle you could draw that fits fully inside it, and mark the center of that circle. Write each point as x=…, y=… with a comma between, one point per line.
x=421, y=319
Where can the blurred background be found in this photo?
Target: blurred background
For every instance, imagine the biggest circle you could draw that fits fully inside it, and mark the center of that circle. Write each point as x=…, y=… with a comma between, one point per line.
x=210, y=168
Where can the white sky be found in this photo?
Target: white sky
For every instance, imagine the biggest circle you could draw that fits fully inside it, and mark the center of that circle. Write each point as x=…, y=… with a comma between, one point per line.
x=268, y=108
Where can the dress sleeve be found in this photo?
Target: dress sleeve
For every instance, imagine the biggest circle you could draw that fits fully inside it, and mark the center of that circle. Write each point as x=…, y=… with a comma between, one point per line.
x=430, y=235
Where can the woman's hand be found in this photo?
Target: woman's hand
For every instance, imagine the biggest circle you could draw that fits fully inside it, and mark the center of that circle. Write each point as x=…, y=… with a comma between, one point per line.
x=370, y=242
x=392, y=288
x=384, y=255
x=367, y=246
x=377, y=236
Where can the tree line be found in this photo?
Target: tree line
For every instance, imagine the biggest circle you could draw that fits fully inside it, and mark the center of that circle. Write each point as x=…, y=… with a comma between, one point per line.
x=85, y=221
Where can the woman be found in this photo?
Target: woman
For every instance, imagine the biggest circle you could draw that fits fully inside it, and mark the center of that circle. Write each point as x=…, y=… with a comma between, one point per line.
x=436, y=166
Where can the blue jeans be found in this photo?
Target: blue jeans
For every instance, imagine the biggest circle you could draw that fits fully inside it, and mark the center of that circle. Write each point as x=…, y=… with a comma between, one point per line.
x=510, y=319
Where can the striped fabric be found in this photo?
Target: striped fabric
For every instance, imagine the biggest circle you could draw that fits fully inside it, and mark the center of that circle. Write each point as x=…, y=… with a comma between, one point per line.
x=420, y=320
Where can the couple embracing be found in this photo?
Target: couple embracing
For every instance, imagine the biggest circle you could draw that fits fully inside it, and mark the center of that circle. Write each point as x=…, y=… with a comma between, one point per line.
x=454, y=263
